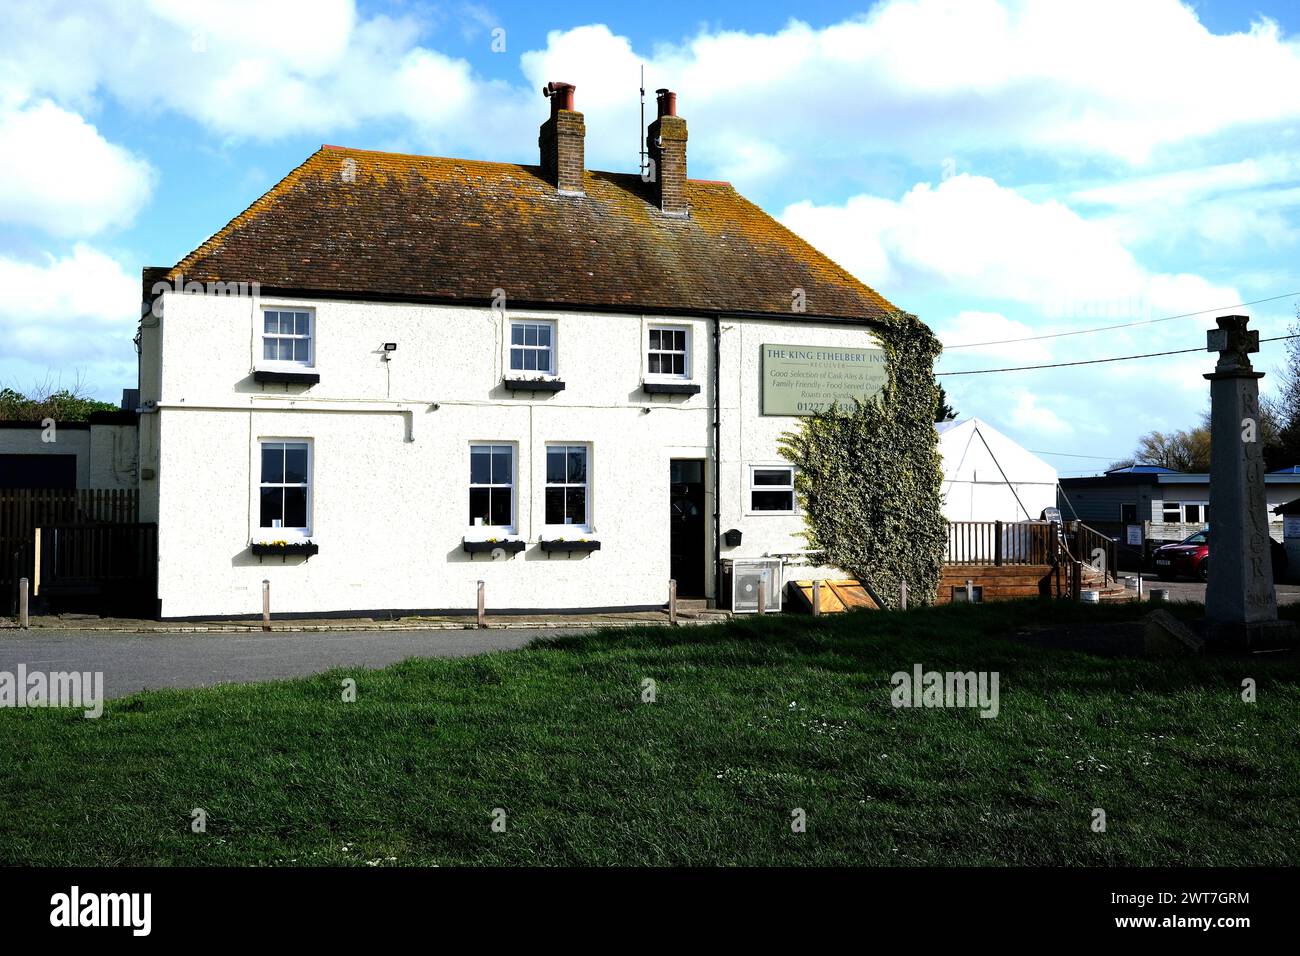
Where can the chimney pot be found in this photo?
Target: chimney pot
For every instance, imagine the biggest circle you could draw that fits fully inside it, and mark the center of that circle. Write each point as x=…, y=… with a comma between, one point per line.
x=667, y=101
x=560, y=94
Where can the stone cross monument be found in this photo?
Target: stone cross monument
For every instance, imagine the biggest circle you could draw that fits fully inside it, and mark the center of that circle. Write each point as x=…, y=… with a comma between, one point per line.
x=1240, y=605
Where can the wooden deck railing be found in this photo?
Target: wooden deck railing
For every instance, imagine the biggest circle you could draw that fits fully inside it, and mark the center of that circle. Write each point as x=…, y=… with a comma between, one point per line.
x=1001, y=542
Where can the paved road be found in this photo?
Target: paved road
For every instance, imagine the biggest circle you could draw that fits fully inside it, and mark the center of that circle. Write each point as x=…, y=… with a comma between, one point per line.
x=134, y=662
x=1195, y=590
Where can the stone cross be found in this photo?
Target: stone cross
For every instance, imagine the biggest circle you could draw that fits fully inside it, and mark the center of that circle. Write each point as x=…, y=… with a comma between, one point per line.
x=1240, y=604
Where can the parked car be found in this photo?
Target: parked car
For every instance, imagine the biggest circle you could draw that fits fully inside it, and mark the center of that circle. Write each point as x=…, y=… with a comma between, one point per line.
x=1190, y=558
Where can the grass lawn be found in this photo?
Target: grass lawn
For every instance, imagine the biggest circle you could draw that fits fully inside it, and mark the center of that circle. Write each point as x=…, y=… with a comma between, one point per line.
x=752, y=720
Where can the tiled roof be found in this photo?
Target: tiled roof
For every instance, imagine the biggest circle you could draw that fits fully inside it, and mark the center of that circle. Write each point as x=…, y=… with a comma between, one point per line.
x=362, y=224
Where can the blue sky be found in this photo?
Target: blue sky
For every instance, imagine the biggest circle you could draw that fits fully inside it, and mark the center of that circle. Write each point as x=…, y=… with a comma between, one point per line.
x=1002, y=169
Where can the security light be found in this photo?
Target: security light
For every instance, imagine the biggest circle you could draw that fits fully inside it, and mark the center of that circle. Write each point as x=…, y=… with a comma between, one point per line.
x=390, y=346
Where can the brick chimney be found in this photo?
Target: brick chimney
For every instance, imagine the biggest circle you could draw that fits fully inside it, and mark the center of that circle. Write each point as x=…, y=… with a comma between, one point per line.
x=561, y=140
x=665, y=141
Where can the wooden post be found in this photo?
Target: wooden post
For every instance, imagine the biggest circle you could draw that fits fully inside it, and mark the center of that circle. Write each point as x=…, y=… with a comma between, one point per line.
x=817, y=598
x=672, y=601
x=36, y=565
x=266, y=604
x=22, y=602
x=762, y=600
x=902, y=595
x=1076, y=580
x=997, y=543
x=482, y=607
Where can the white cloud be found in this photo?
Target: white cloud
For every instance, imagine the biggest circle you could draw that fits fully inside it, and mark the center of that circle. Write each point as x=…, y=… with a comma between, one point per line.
x=1031, y=415
x=58, y=174
x=80, y=307
x=971, y=326
x=973, y=238
x=922, y=78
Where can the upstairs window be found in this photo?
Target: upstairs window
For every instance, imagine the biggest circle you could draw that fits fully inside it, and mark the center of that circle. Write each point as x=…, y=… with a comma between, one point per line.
x=285, y=487
x=492, y=486
x=566, y=484
x=286, y=336
x=771, y=489
x=532, y=347
x=668, y=352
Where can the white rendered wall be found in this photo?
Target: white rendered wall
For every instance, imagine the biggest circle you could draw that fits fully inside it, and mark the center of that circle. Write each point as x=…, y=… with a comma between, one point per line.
x=390, y=470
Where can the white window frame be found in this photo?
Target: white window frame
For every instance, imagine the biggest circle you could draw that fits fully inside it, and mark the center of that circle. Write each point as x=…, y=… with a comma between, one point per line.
x=684, y=376
x=513, y=485
x=285, y=534
x=262, y=335
x=1204, y=507
x=751, y=488
x=558, y=530
x=522, y=373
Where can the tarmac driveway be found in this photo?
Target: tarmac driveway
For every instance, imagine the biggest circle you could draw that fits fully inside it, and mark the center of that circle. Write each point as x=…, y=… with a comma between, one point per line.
x=133, y=662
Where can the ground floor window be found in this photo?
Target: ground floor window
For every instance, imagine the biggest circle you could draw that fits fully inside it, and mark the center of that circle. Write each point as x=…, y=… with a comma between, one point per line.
x=1185, y=512
x=285, y=486
x=566, y=485
x=491, y=485
x=771, y=489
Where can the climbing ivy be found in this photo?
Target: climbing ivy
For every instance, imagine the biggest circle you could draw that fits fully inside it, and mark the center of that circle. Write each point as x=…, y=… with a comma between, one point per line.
x=869, y=479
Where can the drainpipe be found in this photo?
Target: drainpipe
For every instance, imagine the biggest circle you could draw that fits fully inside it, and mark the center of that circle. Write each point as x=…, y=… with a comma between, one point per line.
x=717, y=460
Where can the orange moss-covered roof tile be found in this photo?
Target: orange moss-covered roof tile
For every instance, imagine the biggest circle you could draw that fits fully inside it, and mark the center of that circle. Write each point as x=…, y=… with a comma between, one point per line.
x=358, y=223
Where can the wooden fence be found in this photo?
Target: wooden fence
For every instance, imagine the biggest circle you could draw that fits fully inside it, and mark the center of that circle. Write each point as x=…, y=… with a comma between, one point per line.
x=22, y=511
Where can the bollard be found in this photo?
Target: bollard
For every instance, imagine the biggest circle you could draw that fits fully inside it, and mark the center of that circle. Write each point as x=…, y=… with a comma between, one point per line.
x=762, y=599
x=970, y=591
x=672, y=601
x=902, y=595
x=23, y=584
x=817, y=598
x=482, y=607
x=266, y=604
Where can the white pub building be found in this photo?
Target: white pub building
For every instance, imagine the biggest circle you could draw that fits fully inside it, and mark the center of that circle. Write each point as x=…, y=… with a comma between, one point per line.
x=394, y=376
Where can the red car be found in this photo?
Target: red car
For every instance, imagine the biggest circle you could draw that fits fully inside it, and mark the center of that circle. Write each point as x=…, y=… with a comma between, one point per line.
x=1190, y=558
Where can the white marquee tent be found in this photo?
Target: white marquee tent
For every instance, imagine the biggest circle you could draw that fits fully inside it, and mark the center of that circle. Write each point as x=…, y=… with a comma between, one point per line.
x=988, y=477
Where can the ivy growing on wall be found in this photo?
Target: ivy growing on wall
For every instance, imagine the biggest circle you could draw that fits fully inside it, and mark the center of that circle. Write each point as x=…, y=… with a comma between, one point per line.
x=869, y=479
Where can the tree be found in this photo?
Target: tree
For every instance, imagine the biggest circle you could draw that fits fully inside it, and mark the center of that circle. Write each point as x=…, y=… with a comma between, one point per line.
x=1283, y=408
x=46, y=401
x=1180, y=450
x=943, y=412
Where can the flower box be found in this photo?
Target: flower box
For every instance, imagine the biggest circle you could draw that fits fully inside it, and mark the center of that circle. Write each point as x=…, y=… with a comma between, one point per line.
x=563, y=546
x=272, y=376
x=488, y=546
x=533, y=385
x=670, y=388
x=284, y=549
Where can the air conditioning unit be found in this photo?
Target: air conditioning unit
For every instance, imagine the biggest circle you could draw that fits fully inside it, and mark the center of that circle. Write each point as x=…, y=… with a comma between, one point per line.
x=749, y=579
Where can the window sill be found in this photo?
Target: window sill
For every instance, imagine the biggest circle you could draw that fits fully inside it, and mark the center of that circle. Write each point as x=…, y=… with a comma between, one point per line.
x=533, y=384
x=559, y=545
x=486, y=546
x=303, y=549
x=282, y=377
x=670, y=388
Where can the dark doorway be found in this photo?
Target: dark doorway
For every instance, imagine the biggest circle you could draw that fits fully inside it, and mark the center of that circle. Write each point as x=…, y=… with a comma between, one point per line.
x=38, y=471
x=686, y=535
